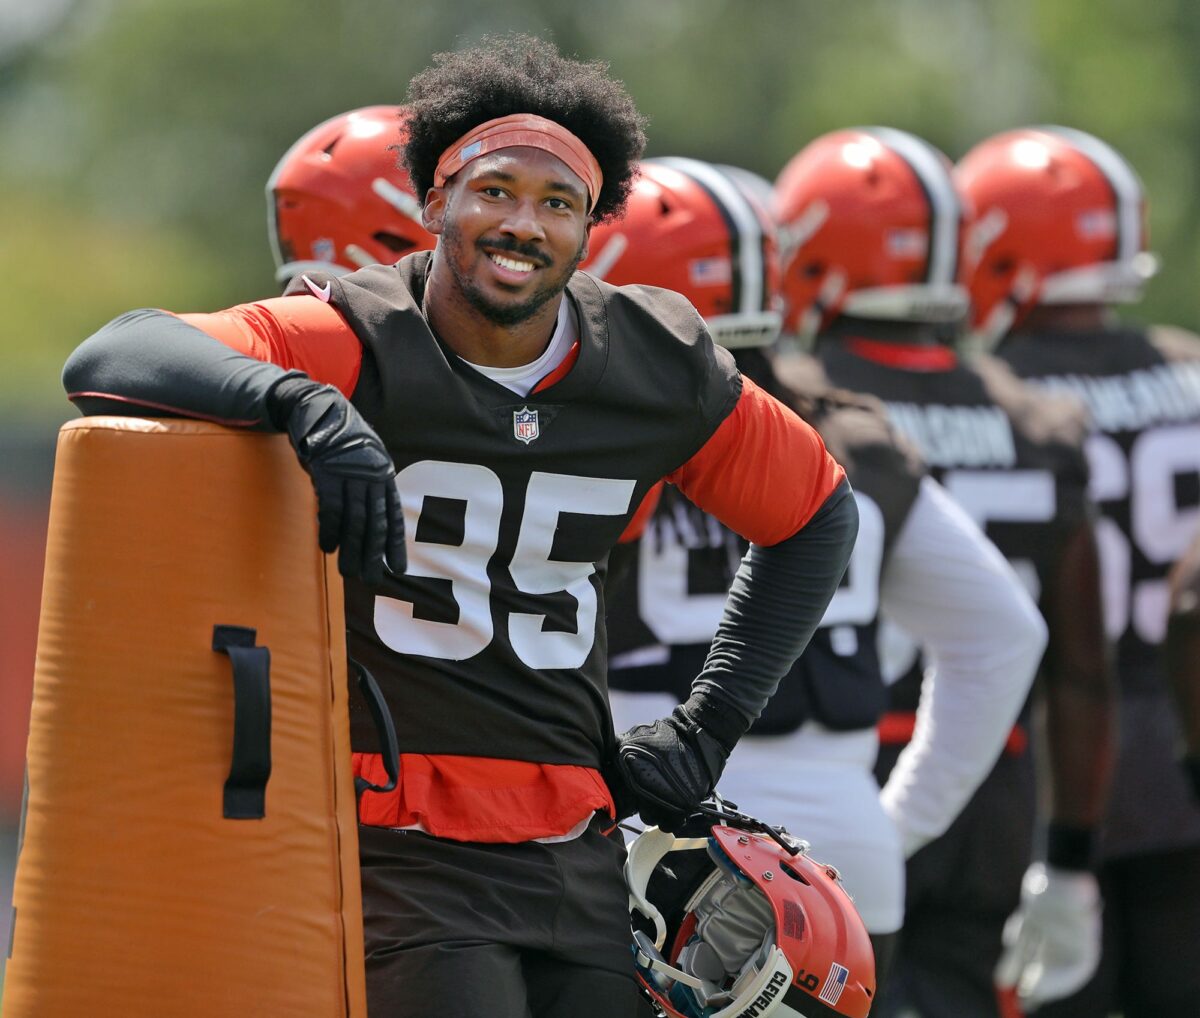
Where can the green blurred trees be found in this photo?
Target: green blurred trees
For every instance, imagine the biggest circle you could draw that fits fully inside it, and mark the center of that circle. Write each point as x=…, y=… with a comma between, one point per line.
x=139, y=133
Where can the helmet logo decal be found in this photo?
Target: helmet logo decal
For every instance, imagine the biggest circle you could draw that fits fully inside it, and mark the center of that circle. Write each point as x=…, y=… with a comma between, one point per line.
x=906, y=243
x=710, y=271
x=324, y=249
x=525, y=424
x=835, y=983
x=1096, y=224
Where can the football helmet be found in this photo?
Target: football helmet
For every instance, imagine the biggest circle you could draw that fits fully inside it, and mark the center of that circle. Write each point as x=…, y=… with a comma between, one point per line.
x=694, y=228
x=1057, y=217
x=338, y=200
x=733, y=919
x=870, y=225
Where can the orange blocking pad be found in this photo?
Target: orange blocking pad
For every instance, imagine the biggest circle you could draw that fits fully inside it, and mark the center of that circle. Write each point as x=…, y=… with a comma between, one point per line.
x=135, y=895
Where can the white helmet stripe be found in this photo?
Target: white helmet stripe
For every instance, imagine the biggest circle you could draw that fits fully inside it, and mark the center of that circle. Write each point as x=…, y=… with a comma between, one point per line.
x=736, y=208
x=1127, y=188
x=945, y=208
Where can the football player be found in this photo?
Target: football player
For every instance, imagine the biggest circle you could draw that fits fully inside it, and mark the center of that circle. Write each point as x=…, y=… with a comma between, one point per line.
x=497, y=417
x=807, y=761
x=872, y=228
x=1182, y=656
x=1058, y=238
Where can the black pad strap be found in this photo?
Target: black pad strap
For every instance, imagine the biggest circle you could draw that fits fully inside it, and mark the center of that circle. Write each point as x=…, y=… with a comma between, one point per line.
x=384, y=728
x=246, y=786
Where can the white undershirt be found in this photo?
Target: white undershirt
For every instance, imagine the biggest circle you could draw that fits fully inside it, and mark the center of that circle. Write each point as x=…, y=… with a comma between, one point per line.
x=524, y=377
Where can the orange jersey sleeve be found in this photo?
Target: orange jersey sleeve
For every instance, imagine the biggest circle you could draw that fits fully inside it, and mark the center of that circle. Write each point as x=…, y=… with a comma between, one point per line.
x=301, y=333
x=763, y=473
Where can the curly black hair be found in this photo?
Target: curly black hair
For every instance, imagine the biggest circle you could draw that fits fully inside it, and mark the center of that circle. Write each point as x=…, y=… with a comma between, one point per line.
x=517, y=73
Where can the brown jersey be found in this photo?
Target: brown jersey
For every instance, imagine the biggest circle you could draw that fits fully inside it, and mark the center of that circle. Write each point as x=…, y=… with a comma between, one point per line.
x=492, y=643
x=1142, y=389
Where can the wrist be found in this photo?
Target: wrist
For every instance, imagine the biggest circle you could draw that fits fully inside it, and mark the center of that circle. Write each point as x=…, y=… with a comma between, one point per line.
x=1069, y=846
x=720, y=719
x=283, y=397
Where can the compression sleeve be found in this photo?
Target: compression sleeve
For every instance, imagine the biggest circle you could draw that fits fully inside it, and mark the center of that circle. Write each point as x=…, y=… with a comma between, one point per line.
x=766, y=474
x=150, y=364
x=952, y=590
x=215, y=367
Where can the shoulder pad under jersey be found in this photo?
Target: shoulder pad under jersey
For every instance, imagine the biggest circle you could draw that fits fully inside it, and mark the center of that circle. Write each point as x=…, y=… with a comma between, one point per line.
x=1058, y=418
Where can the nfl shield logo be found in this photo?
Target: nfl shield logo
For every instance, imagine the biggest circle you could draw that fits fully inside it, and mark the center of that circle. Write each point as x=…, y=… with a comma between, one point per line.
x=525, y=424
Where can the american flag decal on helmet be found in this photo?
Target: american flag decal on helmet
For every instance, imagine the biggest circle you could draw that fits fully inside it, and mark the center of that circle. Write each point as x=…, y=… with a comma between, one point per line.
x=525, y=424
x=835, y=982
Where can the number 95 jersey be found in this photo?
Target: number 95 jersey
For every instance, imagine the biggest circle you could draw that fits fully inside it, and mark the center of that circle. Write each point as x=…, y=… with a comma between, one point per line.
x=493, y=643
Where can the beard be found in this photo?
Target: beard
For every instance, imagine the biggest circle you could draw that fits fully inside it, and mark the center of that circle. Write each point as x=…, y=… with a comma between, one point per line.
x=504, y=313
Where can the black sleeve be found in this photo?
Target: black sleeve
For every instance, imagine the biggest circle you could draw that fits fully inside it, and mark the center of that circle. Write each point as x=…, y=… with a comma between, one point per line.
x=151, y=364
x=777, y=600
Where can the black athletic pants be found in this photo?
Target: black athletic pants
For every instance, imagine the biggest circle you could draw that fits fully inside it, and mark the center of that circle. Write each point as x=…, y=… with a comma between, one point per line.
x=469, y=929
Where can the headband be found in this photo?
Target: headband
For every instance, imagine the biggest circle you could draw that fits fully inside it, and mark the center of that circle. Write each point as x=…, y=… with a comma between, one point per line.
x=525, y=129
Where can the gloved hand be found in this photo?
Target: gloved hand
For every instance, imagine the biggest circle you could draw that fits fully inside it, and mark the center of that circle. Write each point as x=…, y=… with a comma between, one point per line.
x=671, y=766
x=1052, y=940
x=358, y=506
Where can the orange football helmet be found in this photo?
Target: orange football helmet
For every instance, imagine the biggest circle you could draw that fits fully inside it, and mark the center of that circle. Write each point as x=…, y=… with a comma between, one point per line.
x=870, y=225
x=1058, y=217
x=338, y=200
x=732, y=919
x=695, y=228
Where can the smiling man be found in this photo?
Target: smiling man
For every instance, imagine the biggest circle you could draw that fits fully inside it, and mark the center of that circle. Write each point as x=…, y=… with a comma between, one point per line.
x=497, y=418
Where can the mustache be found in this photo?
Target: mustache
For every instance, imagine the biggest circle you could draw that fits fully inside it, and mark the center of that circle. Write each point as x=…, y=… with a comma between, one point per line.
x=507, y=245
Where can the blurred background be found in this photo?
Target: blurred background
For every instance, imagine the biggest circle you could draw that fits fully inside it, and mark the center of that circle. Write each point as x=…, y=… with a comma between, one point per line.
x=137, y=137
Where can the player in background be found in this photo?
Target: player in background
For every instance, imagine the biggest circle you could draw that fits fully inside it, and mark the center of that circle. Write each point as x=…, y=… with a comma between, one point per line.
x=807, y=762
x=528, y=409
x=339, y=200
x=872, y=227
x=1059, y=238
x=1182, y=658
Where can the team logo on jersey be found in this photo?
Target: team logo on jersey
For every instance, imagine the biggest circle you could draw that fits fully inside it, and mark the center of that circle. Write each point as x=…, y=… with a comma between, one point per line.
x=525, y=424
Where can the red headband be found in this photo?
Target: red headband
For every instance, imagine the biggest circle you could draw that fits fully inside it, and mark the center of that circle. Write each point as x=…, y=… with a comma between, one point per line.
x=526, y=129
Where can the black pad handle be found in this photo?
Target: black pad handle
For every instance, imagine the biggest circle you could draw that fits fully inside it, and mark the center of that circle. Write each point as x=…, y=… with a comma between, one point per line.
x=246, y=786
x=384, y=728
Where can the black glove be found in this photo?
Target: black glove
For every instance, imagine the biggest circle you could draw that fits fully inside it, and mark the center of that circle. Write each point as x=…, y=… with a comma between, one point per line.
x=358, y=506
x=668, y=768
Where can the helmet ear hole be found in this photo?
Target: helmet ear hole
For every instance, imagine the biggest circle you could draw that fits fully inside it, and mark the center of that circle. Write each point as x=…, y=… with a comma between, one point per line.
x=795, y=874
x=394, y=242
